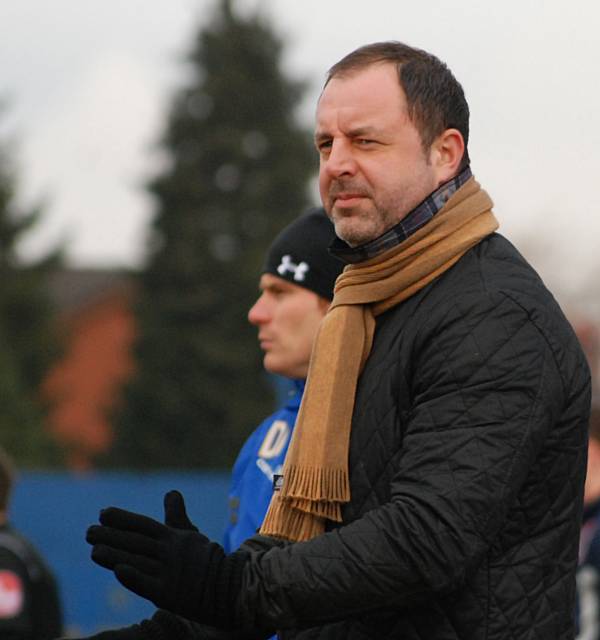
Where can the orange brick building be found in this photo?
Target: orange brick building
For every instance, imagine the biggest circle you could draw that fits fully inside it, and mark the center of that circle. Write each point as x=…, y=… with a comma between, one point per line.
x=96, y=322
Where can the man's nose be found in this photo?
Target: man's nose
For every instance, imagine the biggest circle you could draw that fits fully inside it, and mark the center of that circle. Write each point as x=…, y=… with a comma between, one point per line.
x=340, y=160
x=259, y=312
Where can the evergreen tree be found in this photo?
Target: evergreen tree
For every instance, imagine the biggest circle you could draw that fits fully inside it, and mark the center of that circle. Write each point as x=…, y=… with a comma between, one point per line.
x=238, y=170
x=28, y=343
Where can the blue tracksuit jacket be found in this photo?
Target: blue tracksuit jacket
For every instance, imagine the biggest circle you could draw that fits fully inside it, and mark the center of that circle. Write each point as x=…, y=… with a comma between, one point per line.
x=252, y=478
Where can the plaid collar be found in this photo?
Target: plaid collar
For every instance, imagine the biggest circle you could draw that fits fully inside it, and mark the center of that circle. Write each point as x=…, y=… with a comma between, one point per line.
x=418, y=217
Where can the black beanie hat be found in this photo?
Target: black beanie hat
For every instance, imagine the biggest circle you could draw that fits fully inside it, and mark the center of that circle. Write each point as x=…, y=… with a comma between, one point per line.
x=300, y=254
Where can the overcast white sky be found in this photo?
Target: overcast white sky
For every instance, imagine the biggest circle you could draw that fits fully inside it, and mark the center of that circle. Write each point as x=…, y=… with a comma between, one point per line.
x=89, y=83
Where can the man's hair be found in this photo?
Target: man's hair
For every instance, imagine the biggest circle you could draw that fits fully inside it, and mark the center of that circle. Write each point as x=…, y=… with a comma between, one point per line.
x=7, y=475
x=435, y=99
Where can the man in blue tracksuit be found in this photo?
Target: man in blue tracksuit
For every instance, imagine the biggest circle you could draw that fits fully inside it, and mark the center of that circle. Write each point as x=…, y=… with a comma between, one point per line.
x=296, y=289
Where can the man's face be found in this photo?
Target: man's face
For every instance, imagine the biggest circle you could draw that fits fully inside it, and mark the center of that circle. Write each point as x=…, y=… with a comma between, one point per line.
x=287, y=317
x=373, y=170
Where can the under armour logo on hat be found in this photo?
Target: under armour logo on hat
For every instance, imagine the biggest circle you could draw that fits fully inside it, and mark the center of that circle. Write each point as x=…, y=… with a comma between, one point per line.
x=287, y=266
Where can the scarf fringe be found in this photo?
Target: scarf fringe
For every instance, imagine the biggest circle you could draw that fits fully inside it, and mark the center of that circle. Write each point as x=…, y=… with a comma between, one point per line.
x=291, y=524
x=315, y=484
x=321, y=509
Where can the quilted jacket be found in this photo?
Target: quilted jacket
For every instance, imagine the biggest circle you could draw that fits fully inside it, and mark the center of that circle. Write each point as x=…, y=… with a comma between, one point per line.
x=467, y=461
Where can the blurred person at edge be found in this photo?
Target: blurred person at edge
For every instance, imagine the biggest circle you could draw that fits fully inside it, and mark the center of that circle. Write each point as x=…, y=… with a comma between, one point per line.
x=433, y=487
x=588, y=571
x=296, y=288
x=29, y=601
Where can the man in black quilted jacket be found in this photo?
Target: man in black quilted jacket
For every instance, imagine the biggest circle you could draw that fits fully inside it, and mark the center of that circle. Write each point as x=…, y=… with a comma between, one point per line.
x=433, y=487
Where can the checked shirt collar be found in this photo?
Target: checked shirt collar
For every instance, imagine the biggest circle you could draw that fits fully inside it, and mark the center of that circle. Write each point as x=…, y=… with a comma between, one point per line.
x=418, y=217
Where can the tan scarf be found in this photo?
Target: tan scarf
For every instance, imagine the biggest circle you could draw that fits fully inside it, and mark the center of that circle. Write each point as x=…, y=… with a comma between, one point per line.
x=315, y=472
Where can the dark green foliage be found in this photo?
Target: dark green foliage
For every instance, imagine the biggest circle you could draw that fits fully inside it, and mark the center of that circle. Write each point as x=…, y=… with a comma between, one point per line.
x=28, y=344
x=238, y=167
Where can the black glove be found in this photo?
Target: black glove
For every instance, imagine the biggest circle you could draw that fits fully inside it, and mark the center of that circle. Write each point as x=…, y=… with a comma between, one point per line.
x=162, y=626
x=179, y=570
x=128, y=633
x=175, y=514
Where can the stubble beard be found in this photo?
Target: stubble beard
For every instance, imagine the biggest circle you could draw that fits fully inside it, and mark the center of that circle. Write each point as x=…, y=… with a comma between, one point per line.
x=358, y=225
x=363, y=224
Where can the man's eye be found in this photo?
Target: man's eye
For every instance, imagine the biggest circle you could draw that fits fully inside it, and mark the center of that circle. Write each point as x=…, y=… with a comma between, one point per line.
x=363, y=142
x=324, y=145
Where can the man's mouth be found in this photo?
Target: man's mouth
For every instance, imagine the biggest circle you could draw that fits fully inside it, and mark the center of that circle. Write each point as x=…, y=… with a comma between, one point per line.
x=350, y=199
x=264, y=342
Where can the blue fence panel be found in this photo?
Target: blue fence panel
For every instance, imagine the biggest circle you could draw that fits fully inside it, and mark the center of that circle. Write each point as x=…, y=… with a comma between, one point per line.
x=54, y=510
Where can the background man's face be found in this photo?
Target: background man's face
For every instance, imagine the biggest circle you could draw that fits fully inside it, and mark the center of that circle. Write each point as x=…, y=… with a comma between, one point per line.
x=373, y=170
x=287, y=317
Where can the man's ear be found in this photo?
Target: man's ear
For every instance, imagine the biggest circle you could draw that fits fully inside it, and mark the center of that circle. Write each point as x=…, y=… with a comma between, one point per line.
x=446, y=154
